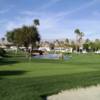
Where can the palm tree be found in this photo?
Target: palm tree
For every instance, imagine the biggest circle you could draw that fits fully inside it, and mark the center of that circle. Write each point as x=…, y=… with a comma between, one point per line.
x=79, y=37
x=77, y=32
x=81, y=40
x=36, y=22
x=34, y=36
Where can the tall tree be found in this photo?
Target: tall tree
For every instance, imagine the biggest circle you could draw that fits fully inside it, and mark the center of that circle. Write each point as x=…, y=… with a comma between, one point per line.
x=26, y=35
x=97, y=44
x=36, y=22
x=81, y=40
x=77, y=32
x=10, y=36
x=79, y=36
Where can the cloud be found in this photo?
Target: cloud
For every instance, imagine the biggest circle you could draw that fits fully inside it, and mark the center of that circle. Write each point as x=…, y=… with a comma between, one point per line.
x=4, y=11
x=56, y=25
x=41, y=10
x=79, y=8
x=55, y=28
x=49, y=4
x=11, y=25
x=96, y=13
x=51, y=28
x=58, y=16
x=31, y=13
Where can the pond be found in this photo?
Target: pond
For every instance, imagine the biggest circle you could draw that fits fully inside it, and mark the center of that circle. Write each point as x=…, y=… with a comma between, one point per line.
x=90, y=93
x=50, y=56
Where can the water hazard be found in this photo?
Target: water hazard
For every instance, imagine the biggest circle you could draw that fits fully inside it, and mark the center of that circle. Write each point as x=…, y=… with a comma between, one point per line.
x=50, y=56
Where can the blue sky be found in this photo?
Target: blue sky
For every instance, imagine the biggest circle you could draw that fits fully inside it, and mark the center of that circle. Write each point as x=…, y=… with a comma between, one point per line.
x=58, y=18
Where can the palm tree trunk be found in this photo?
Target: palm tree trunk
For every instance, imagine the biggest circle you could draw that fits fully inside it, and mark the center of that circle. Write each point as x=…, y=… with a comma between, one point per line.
x=76, y=43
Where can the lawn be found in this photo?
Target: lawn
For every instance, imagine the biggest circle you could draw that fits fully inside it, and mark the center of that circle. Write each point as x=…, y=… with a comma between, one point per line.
x=22, y=79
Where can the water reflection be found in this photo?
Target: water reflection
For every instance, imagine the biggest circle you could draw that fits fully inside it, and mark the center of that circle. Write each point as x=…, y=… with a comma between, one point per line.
x=50, y=56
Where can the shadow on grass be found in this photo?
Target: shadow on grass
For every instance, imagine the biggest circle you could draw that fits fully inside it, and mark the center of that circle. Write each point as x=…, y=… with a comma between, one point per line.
x=7, y=62
x=41, y=87
x=9, y=73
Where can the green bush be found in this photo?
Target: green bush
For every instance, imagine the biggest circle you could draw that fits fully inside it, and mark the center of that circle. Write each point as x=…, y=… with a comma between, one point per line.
x=2, y=52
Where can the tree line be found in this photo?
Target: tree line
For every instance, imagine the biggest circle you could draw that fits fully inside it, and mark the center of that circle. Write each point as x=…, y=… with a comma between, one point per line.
x=28, y=36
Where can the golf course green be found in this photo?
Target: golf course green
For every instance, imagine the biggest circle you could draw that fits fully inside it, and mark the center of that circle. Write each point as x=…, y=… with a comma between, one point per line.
x=24, y=79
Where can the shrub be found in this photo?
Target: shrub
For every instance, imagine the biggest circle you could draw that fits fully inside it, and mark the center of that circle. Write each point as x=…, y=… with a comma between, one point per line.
x=2, y=52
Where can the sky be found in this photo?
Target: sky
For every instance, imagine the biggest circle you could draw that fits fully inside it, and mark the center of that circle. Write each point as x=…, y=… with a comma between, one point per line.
x=58, y=18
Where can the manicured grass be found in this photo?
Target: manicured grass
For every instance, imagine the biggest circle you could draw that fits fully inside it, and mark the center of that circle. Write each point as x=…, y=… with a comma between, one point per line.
x=21, y=79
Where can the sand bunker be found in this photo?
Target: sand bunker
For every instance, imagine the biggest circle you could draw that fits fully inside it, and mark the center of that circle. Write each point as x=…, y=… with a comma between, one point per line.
x=90, y=93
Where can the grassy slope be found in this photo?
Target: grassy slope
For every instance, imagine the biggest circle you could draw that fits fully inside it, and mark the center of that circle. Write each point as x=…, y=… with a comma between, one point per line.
x=28, y=80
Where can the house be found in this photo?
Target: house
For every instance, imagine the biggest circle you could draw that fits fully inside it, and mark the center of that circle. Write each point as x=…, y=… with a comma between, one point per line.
x=64, y=50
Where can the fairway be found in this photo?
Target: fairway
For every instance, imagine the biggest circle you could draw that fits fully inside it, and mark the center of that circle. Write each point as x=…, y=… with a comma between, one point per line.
x=21, y=79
